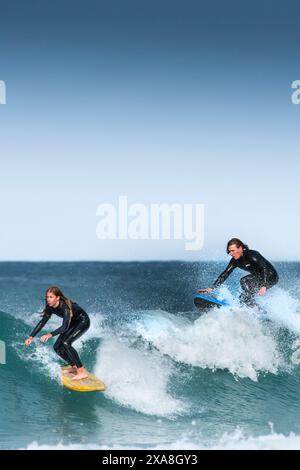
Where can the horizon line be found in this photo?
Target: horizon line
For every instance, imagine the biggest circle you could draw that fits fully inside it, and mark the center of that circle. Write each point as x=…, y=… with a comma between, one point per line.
x=136, y=261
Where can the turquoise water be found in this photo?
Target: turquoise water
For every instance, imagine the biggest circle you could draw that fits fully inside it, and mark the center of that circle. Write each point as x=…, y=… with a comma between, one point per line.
x=228, y=379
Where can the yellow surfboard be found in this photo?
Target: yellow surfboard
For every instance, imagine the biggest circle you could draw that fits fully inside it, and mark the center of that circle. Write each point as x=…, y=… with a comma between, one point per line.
x=90, y=384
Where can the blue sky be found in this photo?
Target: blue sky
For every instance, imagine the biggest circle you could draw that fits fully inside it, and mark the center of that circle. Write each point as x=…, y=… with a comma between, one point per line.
x=186, y=102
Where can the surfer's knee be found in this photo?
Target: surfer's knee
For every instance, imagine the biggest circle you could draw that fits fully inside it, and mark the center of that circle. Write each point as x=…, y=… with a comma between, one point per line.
x=272, y=281
x=65, y=344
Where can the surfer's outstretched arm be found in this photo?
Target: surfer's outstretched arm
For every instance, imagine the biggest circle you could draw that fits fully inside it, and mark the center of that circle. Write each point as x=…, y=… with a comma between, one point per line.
x=224, y=275
x=38, y=328
x=40, y=325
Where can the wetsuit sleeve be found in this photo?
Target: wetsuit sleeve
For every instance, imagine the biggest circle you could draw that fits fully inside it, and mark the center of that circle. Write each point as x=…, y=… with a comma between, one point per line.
x=66, y=321
x=40, y=324
x=224, y=275
x=260, y=264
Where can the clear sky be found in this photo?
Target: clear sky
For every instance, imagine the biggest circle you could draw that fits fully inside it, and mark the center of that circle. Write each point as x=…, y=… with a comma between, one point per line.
x=162, y=101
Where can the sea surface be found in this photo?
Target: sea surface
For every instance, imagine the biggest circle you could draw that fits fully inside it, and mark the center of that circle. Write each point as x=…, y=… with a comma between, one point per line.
x=175, y=379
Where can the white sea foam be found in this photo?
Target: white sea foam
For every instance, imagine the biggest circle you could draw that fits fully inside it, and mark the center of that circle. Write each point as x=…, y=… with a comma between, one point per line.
x=136, y=379
x=227, y=338
x=283, y=309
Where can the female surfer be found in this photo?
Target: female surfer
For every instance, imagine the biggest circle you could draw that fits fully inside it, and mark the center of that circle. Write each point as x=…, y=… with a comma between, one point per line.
x=262, y=273
x=75, y=322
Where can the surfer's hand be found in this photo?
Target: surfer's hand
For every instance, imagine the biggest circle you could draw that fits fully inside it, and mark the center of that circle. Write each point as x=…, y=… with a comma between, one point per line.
x=28, y=341
x=45, y=338
x=209, y=289
x=262, y=290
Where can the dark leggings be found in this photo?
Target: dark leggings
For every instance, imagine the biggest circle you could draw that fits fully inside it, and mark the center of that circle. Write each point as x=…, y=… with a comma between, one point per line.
x=250, y=286
x=63, y=345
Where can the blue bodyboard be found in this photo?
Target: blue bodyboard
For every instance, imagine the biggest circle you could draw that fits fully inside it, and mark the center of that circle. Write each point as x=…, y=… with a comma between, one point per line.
x=205, y=302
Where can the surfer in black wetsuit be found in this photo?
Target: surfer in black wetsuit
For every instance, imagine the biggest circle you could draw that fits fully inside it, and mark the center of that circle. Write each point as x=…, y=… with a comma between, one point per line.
x=262, y=274
x=75, y=322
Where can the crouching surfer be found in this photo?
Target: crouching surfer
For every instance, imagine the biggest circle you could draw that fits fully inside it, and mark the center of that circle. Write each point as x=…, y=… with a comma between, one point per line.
x=262, y=275
x=75, y=322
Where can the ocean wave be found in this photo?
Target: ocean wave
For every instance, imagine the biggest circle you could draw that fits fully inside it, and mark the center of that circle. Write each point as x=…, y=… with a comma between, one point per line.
x=229, y=441
x=229, y=339
x=137, y=379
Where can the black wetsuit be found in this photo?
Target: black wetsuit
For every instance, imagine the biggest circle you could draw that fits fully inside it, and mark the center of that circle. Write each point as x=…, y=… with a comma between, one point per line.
x=68, y=332
x=263, y=274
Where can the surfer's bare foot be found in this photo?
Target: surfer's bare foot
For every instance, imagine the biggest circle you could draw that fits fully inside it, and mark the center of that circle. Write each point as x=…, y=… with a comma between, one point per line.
x=81, y=374
x=70, y=370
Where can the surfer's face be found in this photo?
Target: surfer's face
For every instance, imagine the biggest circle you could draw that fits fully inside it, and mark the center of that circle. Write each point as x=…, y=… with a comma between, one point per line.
x=52, y=299
x=236, y=252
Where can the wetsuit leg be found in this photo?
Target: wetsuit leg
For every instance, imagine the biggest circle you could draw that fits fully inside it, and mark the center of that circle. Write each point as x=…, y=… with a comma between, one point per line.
x=60, y=350
x=250, y=286
x=73, y=333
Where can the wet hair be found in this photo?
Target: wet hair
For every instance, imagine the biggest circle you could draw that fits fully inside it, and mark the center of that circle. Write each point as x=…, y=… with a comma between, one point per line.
x=56, y=291
x=238, y=243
